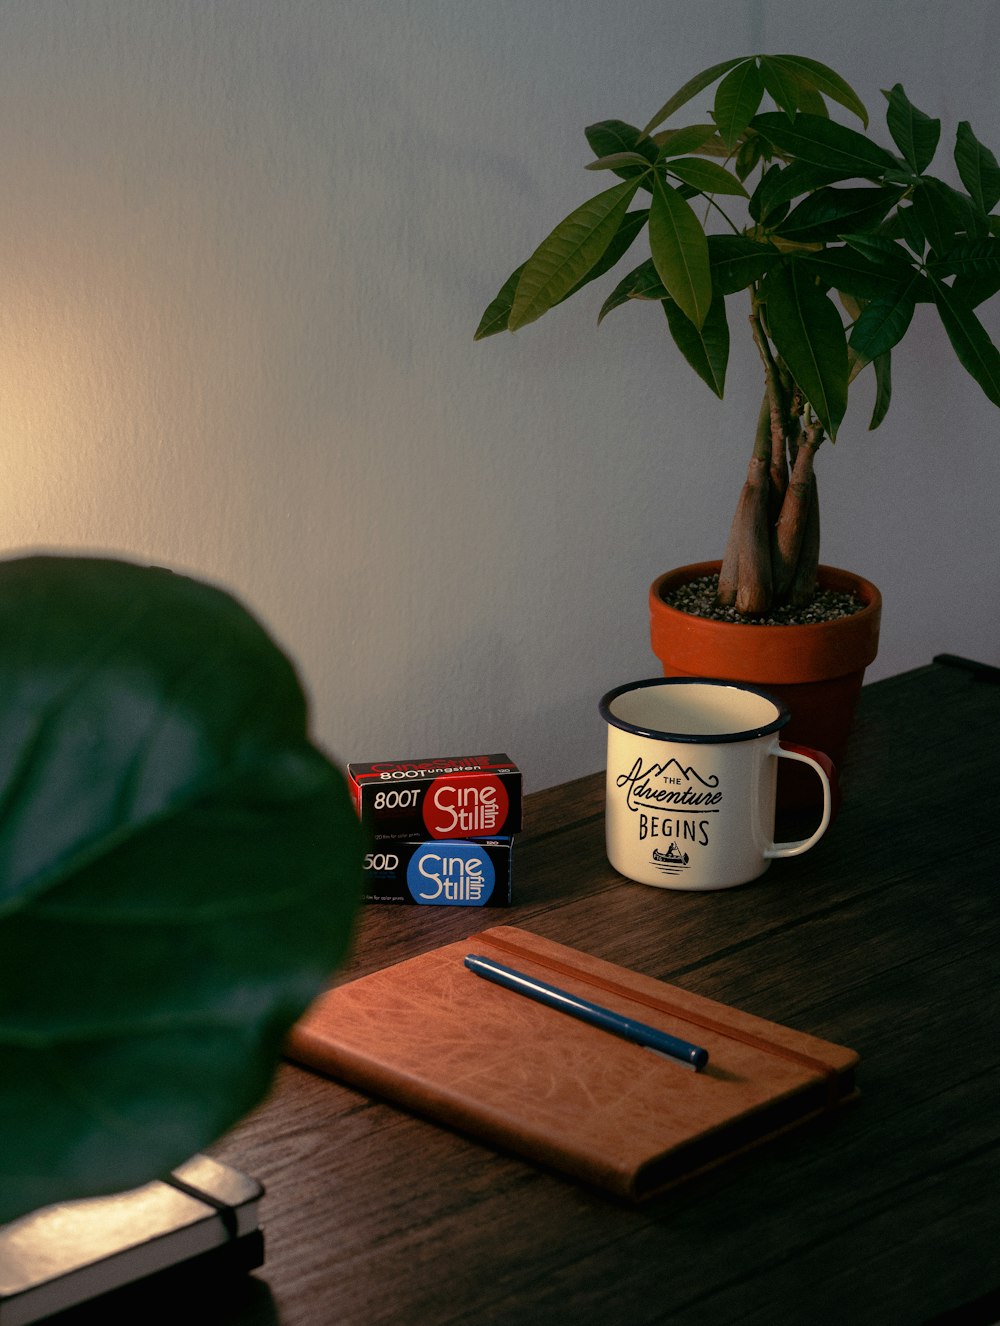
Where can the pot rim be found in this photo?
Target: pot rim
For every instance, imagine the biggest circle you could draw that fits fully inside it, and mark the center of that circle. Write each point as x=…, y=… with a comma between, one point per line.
x=759, y=653
x=864, y=589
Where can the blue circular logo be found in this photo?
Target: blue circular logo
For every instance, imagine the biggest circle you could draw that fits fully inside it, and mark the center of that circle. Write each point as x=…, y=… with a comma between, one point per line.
x=451, y=874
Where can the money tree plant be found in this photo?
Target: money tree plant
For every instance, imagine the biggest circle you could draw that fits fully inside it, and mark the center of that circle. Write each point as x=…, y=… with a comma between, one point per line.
x=827, y=238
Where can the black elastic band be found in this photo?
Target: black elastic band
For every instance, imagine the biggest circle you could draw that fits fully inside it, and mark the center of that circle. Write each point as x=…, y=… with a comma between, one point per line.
x=226, y=1212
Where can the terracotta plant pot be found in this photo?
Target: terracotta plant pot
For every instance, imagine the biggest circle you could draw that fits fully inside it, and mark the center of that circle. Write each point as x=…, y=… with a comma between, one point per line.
x=816, y=670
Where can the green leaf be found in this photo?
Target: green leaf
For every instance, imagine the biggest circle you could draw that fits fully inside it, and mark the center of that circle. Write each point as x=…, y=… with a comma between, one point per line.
x=831, y=212
x=613, y=136
x=975, y=264
x=749, y=155
x=969, y=216
x=882, y=367
x=812, y=103
x=630, y=226
x=848, y=272
x=760, y=207
x=903, y=224
x=788, y=89
x=784, y=86
x=880, y=250
x=783, y=183
x=937, y=213
x=677, y=142
x=826, y=143
x=643, y=282
x=968, y=257
x=616, y=160
x=607, y=136
x=737, y=262
x=705, y=176
x=691, y=89
x=823, y=79
x=883, y=390
x=497, y=316
x=977, y=168
x=809, y=336
x=706, y=348
x=884, y=320
x=914, y=133
x=566, y=256
x=179, y=867
x=970, y=341
x=680, y=251
x=737, y=99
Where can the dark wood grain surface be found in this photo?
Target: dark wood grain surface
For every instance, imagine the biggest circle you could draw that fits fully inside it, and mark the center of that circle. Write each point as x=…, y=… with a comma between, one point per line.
x=885, y=937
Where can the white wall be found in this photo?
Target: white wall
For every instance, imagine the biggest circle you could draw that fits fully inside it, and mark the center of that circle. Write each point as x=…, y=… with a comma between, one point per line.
x=243, y=248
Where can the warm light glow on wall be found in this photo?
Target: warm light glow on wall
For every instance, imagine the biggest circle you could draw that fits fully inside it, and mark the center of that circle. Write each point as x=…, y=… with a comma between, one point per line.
x=57, y=396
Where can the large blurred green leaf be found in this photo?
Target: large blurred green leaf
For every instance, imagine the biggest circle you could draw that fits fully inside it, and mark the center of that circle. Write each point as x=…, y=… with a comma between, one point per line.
x=179, y=867
x=809, y=336
x=679, y=248
x=569, y=253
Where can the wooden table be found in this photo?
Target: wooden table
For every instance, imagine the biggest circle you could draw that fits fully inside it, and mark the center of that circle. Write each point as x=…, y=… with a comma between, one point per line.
x=885, y=937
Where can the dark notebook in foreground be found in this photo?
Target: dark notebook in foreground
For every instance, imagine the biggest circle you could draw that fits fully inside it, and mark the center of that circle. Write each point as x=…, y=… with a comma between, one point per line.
x=204, y=1214
x=433, y=1037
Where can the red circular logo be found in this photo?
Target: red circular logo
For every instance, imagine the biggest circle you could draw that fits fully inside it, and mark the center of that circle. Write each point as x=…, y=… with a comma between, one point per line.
x=465, y=806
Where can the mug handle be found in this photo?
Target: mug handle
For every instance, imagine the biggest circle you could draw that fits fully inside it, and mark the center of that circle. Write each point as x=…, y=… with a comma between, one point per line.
x=827, y=776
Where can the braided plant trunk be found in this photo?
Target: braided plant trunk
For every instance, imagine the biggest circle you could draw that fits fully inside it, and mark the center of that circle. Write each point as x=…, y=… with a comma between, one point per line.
x=772, y=553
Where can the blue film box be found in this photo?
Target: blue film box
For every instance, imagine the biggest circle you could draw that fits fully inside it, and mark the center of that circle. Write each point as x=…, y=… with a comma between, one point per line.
x=440, y=873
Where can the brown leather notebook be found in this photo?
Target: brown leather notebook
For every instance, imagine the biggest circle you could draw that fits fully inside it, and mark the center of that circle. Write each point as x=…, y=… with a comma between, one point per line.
x=433, y=1037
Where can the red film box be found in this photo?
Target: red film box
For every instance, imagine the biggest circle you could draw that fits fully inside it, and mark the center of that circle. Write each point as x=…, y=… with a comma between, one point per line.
x=465, y=796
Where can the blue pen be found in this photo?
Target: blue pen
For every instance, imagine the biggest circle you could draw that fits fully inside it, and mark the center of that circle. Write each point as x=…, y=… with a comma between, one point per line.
x=692, y=1056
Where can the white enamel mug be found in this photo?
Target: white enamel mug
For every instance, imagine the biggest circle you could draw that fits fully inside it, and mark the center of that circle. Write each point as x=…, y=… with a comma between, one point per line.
x=692, y=769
